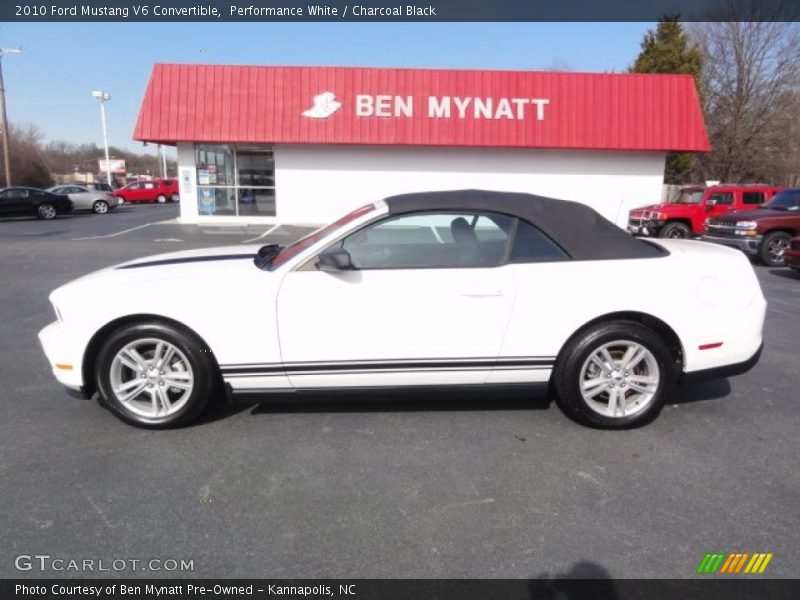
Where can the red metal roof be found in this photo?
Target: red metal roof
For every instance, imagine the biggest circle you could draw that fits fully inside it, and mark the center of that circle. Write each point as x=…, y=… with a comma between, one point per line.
x=215, y=103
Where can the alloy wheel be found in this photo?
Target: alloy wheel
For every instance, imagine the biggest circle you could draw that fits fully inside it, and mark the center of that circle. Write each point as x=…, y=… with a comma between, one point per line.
x=619, y=379
x=776, y=248
x=152, y=378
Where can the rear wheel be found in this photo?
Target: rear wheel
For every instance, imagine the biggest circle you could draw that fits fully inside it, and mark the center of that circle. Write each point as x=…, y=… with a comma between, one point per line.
x=46, y=211
x=155, y=375
x=175, y=198
x=161, y=199
x=100, y=207
x=614, y=375
x=772, y=248
x=676, y=231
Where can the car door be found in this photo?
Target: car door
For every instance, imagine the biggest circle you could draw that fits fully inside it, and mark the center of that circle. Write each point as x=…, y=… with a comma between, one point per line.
x=16, y=201
x=426, y=303
x=133, y=192
x=723, y=202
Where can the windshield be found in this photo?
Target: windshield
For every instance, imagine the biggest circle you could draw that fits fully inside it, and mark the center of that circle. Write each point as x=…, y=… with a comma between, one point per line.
x=313, y=238
x=785, y=200
x=690, y=197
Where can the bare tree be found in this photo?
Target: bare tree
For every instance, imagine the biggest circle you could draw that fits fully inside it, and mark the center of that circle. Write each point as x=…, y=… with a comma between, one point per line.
x=751, y=90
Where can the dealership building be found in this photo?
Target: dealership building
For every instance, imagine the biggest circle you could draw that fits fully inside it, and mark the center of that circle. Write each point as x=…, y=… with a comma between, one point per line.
x=304, y=145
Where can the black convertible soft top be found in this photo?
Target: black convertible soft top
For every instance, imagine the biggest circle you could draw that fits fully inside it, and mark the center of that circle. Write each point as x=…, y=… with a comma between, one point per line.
x=580, y=230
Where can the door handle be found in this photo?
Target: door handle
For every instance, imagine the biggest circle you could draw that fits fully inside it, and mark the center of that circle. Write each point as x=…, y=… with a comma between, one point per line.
x=493, y=293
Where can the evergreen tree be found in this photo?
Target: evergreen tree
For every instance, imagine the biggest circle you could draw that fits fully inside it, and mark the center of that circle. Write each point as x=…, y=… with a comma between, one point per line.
x=668, y=50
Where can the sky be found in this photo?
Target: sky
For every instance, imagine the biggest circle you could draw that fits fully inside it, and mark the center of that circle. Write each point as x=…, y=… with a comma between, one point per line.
x=50, y=83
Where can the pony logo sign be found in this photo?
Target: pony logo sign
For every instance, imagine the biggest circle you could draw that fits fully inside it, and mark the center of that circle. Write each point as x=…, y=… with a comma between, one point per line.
x=434, y=107
x=325, y=104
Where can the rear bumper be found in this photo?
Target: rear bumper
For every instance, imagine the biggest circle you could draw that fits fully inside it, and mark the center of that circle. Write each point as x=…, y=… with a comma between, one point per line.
x=724, y=371
x=748, y=245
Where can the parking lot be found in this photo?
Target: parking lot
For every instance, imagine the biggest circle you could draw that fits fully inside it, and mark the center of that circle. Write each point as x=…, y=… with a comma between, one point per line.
x=445, y=485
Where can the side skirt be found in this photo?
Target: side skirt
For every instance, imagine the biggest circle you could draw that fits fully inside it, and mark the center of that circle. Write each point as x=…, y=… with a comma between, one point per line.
x=251, y=396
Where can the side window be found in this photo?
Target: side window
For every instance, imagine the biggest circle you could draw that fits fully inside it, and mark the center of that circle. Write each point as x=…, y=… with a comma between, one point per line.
x=751, y=198
x=15, y=194
x=723, y=198
x=149, y=186
x=431, y=240
x=531, y=245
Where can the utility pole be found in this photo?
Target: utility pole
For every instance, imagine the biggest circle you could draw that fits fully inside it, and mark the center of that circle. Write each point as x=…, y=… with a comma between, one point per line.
x=6, y=157
x=162, y=154
x=103, y=98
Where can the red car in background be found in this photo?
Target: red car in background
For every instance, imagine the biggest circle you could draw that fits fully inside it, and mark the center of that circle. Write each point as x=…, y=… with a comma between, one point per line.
x=686, y=217
x=152, y=190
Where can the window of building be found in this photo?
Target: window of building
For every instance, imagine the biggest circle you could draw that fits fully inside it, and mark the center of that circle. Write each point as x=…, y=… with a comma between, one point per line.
x=235, y=180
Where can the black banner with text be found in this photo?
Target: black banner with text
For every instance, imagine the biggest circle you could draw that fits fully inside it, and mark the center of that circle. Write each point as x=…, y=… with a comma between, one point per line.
x=388, y=10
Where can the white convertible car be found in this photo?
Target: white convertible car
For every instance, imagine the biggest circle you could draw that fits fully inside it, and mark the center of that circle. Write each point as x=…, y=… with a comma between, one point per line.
x=462, y=288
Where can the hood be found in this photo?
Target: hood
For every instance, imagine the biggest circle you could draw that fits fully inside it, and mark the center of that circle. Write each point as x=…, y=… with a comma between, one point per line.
x=667, y=207
x=751, y=215
x=184, y=257
x=206, y=264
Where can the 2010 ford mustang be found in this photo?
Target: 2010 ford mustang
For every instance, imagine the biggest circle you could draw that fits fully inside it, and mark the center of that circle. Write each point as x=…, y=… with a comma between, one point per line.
x=432, y=289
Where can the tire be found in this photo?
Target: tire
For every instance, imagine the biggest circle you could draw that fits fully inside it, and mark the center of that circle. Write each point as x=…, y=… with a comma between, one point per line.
x=679, y=231
x=100, y=207
x=596, y=407
x=46, y=211
x=161, y=199
x=772, y=246
x=175, y=198
x=156, y=404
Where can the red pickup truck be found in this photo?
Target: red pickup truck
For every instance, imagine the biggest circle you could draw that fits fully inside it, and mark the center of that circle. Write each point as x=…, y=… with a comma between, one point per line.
x=765, y=233
x=686, y=216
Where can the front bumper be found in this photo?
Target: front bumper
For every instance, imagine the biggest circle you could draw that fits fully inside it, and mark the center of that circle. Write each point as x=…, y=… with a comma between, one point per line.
x=644, y=227
x=792, y=258
x=747, y=244
x=64, y=356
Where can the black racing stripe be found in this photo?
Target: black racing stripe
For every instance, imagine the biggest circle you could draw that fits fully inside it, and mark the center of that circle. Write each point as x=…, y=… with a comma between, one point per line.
x=190, y=259
x=396, y=365
x=383, y=371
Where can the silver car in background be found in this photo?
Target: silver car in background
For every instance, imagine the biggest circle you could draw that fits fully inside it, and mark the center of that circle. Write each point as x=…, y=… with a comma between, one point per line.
x=83, y=198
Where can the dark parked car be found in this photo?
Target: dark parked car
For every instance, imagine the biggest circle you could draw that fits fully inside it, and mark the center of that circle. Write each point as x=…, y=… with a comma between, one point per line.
x=764, y=232
x=18, y=201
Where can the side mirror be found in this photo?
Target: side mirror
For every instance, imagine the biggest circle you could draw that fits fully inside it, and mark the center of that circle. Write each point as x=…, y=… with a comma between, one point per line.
x=710, y=202
x=334, y=260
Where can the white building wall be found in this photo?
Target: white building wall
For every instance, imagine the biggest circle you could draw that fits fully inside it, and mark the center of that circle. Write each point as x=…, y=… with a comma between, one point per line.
x=316, y=184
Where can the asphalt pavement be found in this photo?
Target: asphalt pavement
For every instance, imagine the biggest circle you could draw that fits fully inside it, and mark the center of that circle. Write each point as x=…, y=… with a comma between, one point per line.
x=393, y=485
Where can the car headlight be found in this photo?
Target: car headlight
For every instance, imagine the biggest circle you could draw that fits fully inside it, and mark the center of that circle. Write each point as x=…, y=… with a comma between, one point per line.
x=657, y=216
x=746, y=227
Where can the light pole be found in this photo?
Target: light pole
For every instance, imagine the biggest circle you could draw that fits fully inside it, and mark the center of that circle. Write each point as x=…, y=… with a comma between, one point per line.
x=103, y=97
x=6, y=158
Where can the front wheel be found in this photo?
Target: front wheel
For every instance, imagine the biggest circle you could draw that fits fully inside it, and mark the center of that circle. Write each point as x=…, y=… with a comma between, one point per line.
x=614, y=376
x=676, y=231
x=161, y=199
x=175, y=198
x=772, y=248
x=46, y=211
x=155, y=375
x=100, y=207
